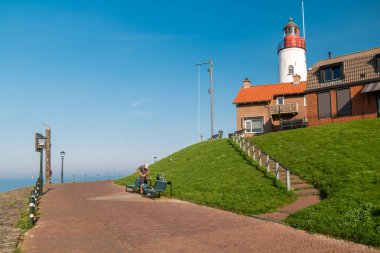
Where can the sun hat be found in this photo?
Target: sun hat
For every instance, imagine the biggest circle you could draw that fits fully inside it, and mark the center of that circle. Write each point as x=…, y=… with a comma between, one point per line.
x=146, y=166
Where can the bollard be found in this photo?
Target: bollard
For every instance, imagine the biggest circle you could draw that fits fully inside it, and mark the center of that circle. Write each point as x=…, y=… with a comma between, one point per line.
x=37, y=193
x=277, y=171
x=31, y=199
x=288, y=180
x=31, y=219
x=260, y=158
x=32, y=207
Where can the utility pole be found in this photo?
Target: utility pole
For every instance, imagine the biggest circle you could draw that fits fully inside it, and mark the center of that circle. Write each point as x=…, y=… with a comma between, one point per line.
x=211, y=92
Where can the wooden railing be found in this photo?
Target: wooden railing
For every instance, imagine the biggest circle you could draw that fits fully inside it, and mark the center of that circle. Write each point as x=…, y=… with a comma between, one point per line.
x=285, y=108
x=264, y=160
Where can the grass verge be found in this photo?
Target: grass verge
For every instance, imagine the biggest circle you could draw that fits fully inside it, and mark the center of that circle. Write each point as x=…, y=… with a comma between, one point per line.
x=213, y=173
x=343, y=162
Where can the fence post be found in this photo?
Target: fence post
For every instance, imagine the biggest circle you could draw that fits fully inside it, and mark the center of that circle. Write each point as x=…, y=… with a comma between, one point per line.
x=249, y=149
x=259, y=157
x=277, y=171
x=253, y=153
x=288, y=180
x=268, y=167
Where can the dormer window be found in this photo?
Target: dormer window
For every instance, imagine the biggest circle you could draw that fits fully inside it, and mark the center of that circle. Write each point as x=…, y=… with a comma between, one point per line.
x=331, y=73
x=290, y=70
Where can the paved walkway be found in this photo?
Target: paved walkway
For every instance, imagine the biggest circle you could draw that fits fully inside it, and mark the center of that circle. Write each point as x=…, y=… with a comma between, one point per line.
x=102, y=217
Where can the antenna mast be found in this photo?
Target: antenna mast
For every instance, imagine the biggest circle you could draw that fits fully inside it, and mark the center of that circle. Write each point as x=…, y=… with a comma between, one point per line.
x=303, y=22
x=210, y=91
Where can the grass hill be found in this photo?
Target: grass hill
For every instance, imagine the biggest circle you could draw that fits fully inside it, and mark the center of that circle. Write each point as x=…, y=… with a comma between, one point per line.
x=214, y=173
x=343, y=161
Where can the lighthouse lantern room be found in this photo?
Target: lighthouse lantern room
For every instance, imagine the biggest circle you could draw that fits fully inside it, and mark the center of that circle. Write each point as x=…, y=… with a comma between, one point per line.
x=292, y=54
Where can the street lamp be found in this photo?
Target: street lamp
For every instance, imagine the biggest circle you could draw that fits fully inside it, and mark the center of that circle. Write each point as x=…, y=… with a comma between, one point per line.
x=39, y=142
x=155, y=158
x=62, y=156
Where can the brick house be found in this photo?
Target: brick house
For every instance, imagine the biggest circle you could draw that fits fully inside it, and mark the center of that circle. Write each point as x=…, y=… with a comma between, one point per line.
x=344, y=88
x=261, y=108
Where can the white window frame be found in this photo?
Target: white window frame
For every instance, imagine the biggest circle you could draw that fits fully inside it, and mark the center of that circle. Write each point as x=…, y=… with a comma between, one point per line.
x=250, y=120
x=304, y=101
x=291, y=67
x=283, y=100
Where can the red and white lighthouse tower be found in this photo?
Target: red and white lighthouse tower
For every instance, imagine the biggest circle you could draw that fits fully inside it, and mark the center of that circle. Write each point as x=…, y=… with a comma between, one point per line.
x=292, y=54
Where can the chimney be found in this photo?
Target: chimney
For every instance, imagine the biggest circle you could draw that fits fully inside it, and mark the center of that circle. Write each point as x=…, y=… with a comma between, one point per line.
x=296, y=79
x=246, y=83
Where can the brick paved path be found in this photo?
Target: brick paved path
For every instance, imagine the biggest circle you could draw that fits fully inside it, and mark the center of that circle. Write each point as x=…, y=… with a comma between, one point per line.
x=101, y=217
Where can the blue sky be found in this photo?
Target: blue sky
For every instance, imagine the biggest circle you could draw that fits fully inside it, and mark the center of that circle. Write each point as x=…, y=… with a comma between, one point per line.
x=117, y=82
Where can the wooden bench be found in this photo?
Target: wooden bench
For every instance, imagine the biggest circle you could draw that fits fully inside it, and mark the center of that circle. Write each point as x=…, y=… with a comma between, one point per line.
x=133, y=186
x=158, y=188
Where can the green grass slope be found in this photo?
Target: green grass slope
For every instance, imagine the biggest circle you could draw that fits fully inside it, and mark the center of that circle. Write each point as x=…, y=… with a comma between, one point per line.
x=343, y=161
x=215, y=174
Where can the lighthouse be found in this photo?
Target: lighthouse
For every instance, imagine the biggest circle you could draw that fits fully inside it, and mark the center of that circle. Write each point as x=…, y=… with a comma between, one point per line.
x=292, y=54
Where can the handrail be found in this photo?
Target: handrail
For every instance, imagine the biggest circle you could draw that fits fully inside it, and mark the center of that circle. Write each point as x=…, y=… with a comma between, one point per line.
x=242, y=143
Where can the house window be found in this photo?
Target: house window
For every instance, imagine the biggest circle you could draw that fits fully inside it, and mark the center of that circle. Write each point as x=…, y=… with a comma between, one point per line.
x=343, y=102
x=290, y=70
x=324, y=105
x=280, y=100
x=378, y=63
x=331, y=73
x=254, y=125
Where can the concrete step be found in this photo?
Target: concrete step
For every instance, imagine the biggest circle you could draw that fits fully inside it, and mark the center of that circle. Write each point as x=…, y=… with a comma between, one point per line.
x=274, y=217
x=301, y=203
x=292, y=177
x=297, y=181
x=307, y=192
x=303, y=186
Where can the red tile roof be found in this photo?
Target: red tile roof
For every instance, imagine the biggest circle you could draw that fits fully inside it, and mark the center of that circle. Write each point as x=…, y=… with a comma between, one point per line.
x=260, y=93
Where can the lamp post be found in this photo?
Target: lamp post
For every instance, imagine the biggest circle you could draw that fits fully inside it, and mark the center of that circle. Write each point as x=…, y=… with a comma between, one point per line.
x=155, y=159
x=39, y=147
x=62, y=156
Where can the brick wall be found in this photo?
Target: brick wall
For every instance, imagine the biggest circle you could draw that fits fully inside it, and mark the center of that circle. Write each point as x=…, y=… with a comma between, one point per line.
x=271, y=122
x=301, y=110
x=362, y=107
x=255, y=110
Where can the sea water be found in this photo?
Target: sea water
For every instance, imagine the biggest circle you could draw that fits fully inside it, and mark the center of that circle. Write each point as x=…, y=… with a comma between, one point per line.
x=8, y=184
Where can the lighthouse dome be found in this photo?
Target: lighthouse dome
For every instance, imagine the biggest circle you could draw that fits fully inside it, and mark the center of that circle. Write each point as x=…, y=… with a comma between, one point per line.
x=291, y=28
x=292, y=54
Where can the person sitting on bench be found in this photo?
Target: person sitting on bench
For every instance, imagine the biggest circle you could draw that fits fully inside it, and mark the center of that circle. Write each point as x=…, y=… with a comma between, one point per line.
x=143, y=170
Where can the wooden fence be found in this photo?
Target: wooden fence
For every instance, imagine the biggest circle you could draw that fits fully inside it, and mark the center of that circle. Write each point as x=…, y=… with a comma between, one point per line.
x=280, y=171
